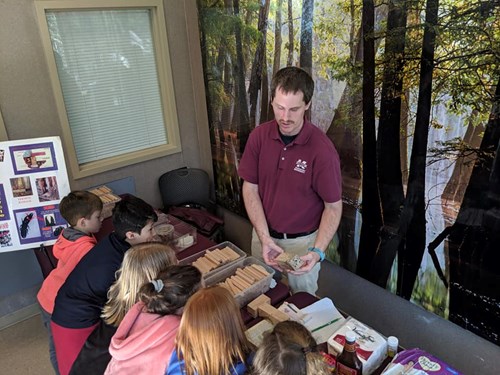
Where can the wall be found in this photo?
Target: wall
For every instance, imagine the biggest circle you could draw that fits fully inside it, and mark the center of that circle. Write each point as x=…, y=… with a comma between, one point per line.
x=28, y=108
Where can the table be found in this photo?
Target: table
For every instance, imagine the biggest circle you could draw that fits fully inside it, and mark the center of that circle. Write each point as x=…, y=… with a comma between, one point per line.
x=304, y=299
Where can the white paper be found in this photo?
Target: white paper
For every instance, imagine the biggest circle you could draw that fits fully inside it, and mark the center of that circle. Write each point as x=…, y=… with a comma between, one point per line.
x=322, y=312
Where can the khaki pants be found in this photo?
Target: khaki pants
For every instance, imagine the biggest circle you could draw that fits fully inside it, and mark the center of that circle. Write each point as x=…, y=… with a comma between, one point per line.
x=297, y=246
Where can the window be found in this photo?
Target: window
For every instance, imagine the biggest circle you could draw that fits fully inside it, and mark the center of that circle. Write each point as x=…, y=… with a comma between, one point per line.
x=110, y=70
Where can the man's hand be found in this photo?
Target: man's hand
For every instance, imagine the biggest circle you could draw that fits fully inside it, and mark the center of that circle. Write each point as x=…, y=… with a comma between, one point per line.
x=269, y=252
x=310, y=260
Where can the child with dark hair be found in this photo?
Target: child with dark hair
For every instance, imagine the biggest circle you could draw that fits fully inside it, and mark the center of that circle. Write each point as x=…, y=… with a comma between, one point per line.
x=289, y=349
x=145, y=338
x=81, y=298
x=82, y=210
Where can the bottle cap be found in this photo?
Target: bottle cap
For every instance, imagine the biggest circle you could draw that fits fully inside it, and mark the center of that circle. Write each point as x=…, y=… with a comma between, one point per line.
x=393, y=341
x=350, y=336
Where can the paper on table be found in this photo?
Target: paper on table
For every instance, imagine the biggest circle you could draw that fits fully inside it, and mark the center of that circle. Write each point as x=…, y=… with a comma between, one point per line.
x=322, y=313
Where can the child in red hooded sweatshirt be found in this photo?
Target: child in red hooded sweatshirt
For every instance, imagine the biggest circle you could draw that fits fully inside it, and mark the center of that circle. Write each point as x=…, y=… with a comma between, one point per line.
x=82, y=210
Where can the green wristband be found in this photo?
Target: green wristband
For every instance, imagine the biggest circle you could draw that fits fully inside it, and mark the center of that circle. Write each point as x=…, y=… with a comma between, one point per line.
x=319, y=252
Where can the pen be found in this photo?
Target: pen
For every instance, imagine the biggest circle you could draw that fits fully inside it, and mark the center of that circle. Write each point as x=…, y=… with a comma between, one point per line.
x=291, y=308
x=326, y=324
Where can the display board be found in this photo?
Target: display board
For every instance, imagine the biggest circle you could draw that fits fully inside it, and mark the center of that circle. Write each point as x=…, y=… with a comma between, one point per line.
x=33, y=179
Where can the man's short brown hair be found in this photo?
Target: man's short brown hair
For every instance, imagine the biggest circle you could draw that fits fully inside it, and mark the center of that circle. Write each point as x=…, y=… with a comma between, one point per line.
x=291, y=80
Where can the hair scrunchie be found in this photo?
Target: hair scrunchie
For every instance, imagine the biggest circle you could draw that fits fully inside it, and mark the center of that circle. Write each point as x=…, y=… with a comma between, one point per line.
x=158, y=284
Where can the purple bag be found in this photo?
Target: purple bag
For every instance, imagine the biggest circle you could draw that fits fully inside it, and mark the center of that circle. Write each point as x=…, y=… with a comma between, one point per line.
x=418, y=362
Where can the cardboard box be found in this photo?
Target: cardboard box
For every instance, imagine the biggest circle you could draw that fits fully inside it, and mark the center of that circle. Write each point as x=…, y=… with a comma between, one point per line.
x=371, y=346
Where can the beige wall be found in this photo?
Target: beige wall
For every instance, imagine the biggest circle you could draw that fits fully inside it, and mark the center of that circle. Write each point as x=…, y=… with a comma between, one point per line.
x=29, y=110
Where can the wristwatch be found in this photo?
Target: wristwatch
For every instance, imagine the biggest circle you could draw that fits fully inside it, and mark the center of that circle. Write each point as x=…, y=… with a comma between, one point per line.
x=319, y=252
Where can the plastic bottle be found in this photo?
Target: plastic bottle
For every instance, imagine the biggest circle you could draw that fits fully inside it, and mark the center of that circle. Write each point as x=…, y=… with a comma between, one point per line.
x=392, y=346
x=348, y=362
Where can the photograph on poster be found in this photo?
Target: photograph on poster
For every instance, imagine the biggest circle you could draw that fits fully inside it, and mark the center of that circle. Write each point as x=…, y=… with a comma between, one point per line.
x=49, y=220
x=33, y=179
x=21, y=187
x=39, y=223
x=4, y=208
x=47, y=189
x=33, y=158
x=27, y=225
x=5, y=236
x=57, y=230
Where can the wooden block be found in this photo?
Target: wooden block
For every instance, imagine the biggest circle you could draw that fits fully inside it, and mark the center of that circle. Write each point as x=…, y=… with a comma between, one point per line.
x=201, y=262
x=243, y=275
x=211, y=256
x=238, y=283
x=253, y=306
x=200, y=266
x=230, y=253
x=216, y=255
x=221, y=254
x=272, y=313
x=234, y=287
x=249, y=275
x=260, y=269
x=289, y=261
x=256, y=275
x=242, y=281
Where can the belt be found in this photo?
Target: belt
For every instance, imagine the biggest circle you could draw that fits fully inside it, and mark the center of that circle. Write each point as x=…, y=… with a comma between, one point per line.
x=286, y=236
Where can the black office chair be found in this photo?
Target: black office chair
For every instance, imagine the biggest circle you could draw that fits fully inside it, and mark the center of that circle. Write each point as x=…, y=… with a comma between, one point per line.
x=185, y=193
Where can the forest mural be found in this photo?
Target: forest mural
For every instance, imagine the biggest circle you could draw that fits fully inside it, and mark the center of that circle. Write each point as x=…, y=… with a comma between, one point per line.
x=409, y=93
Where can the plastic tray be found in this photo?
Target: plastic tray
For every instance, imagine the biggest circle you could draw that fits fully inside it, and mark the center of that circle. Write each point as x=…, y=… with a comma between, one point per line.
x=222, y=245
x=251, y=293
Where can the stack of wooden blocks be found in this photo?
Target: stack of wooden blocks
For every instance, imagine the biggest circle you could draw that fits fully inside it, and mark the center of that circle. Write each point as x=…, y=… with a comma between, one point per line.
x=108, y=199
x=215, y=258
x=261, y=306
x=244, y=278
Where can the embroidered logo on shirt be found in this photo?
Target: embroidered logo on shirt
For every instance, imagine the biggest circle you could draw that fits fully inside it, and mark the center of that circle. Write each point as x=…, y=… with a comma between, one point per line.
x=300, y=166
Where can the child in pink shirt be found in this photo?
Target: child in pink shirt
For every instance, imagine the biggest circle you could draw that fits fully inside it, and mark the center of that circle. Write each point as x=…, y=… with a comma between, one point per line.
x=145, y=338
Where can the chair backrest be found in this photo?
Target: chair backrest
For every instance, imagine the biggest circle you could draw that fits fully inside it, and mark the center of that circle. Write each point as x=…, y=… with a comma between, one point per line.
x=185, y=186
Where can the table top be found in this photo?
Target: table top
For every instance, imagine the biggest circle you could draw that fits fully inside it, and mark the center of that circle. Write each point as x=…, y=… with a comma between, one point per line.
x=303, y=299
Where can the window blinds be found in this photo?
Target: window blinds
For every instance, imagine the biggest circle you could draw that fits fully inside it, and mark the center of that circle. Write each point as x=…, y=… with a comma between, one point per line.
x=108, y=74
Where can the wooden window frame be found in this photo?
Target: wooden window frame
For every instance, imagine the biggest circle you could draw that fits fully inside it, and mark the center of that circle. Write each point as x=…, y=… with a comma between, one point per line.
x=165, y=81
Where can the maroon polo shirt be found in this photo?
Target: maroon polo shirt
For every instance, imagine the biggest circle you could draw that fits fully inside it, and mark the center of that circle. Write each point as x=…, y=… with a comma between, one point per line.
x=294, y=180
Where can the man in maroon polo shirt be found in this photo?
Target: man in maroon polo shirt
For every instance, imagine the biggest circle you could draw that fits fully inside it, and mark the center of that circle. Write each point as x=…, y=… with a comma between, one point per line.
x=292, y=184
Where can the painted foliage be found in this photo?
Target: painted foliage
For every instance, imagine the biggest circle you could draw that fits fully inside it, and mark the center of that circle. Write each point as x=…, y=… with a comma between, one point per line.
x=409, y=93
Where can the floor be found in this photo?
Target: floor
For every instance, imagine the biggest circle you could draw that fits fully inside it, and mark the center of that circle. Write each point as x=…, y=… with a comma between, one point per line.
x=24, y=349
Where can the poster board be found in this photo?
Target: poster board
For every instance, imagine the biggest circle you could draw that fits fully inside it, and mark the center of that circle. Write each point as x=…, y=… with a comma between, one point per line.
x=33, y=179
